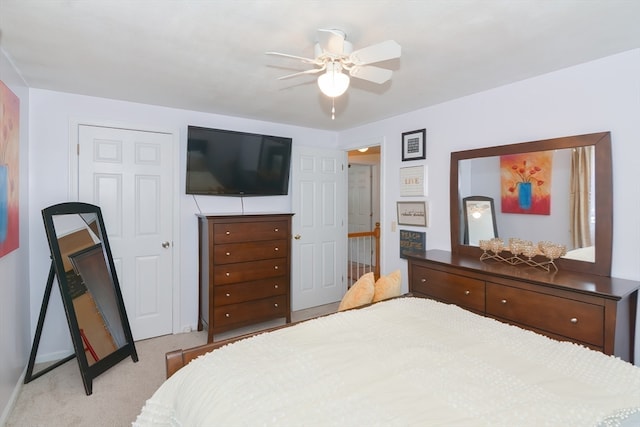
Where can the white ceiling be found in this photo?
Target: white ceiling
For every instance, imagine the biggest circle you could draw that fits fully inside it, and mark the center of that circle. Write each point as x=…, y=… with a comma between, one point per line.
x=210, y=55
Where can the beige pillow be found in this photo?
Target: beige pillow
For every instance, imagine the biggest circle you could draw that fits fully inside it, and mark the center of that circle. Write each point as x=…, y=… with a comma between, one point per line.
x=360, y=293
x=387, y=286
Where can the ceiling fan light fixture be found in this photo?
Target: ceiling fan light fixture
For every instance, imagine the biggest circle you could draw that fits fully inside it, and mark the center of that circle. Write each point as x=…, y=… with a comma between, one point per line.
x=333, y=83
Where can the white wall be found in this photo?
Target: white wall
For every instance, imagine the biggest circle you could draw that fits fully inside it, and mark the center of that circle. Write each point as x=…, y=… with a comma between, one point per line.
x=52, y=116
x=14, y=267
x=602, y=95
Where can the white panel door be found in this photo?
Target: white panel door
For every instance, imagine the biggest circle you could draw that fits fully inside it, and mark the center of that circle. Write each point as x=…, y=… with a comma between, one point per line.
x=319, y=206
x=360, y=211
x=360, y=207
x=129, y=174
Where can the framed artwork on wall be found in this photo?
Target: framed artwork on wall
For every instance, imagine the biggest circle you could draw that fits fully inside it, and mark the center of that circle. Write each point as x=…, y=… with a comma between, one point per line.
x=9, y=173
x=412, y=213
x=414, y=145
x=412, y=241
x=413, y=181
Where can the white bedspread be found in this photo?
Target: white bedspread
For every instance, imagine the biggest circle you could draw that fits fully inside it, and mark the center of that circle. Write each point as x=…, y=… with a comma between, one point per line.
x=403, y=362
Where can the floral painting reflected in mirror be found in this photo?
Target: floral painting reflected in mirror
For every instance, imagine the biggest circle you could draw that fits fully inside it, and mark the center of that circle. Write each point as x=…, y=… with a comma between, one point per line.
x=526, y=183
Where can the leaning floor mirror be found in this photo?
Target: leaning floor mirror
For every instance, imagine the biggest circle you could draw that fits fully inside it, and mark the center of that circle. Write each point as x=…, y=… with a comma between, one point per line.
x=83, y=266
x=479, y=219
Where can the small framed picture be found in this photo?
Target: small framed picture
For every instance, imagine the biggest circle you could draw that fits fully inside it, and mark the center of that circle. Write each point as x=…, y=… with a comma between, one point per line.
x=412, y=181
x=412, y=241
x=412, y=213
x=413, y=145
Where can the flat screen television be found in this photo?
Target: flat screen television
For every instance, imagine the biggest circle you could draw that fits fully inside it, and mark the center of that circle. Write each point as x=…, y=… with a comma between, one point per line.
x=228, y=163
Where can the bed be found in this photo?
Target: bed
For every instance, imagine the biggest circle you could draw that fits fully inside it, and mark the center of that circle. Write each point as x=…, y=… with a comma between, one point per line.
x=582, y=254
x=401, y=362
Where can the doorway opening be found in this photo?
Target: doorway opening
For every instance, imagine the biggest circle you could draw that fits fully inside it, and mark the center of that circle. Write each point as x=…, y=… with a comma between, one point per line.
x=363, y=211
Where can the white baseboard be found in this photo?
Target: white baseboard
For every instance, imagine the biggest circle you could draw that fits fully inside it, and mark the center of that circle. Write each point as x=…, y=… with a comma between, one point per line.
x=13, y=398
x=54, y=356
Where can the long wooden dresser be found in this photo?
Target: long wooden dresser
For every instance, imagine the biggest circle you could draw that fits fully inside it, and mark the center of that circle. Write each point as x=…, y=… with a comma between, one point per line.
x=245, y=270
x=595, y=311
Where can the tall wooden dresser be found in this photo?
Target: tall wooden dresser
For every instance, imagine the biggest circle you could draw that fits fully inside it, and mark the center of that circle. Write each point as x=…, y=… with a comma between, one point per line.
x=245, y=270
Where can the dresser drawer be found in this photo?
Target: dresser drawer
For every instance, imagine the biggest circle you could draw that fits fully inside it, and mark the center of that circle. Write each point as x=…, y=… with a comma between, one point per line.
x=247, y=271
x=240, y=252
x=267, y=308
x=450, y=288
x=573, y=319
x=234, y=232
x=248, y=291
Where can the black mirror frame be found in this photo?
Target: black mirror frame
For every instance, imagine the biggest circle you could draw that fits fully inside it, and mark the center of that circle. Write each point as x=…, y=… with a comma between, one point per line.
x=88, y=372
x=603, y=203
x=465, y=215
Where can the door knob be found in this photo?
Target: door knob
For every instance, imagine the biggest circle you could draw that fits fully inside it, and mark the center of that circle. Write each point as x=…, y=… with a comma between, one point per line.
x=297, y=237
x=166, y=244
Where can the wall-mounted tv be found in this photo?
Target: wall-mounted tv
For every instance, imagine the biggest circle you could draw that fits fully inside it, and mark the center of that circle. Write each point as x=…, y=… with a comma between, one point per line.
x=228, y=163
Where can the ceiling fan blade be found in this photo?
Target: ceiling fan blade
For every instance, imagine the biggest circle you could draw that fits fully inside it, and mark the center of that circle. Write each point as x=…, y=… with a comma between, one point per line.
x=300, y=58
x=331, y=41
x=389, y=49
x=312, y=71
x=371, y=73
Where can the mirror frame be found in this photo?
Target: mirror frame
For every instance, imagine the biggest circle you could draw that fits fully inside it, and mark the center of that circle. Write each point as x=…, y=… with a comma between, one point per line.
x=465, y=215
x=87, y=371
x=603, y=197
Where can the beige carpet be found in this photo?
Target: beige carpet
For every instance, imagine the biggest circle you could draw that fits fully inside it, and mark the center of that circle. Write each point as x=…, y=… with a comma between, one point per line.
x=58, y=399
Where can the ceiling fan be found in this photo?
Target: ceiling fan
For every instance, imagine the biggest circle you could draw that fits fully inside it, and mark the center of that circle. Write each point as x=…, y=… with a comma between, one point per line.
x=334, y=54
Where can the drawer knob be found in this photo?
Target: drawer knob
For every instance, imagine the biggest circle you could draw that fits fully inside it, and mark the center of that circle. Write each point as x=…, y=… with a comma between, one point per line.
x=276, y=229
x=275, y=305
x=276, y=267
x=467, y=292
x=503, y=301
x=275, y=286
x=228, y=253
x=227, y=233
x=227, y=295
x=227, y=315
x=276, y=249
x=574, y=320
x=227, y=274
x=423, y=280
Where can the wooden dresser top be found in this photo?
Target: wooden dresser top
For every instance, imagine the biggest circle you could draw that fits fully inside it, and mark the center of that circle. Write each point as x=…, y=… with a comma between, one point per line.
x=607, y=287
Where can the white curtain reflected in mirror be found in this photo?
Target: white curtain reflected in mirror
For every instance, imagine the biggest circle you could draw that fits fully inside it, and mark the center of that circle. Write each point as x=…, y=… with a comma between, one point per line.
x=583, y=217
x=479, y=219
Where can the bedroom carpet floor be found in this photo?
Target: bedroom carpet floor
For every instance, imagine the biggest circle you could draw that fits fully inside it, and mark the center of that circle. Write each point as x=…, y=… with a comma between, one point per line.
x=58, y=397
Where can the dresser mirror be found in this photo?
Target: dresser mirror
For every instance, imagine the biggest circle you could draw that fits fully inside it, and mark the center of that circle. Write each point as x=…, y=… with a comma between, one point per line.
x=477, y=172
x=84, y=269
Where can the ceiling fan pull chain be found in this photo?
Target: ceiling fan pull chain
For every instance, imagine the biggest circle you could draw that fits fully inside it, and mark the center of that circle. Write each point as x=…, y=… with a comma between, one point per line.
x=333, y=108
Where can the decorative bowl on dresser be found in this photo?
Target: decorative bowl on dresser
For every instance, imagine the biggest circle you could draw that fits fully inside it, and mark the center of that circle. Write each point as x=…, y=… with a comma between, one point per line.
x=245, y=270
